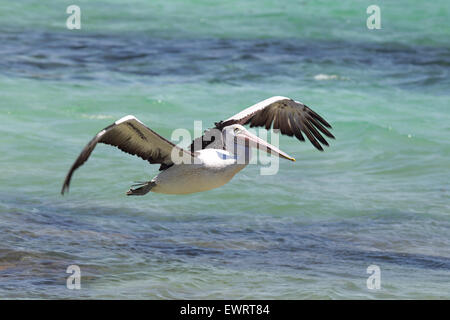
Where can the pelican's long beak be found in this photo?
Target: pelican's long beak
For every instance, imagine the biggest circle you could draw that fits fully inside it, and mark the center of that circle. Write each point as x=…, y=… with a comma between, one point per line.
x=253, y=141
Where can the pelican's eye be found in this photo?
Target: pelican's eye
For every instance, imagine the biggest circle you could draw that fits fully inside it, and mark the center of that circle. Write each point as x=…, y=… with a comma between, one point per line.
x=236, y=130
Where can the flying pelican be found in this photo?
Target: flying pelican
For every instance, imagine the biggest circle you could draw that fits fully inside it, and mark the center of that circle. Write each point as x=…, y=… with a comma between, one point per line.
x=214, y=158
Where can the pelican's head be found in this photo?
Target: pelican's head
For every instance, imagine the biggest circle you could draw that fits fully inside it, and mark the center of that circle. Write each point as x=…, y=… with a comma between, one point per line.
x=236, y=134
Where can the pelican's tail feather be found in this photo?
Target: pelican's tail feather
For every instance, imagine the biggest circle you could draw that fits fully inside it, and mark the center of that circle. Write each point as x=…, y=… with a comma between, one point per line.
x=142, y=188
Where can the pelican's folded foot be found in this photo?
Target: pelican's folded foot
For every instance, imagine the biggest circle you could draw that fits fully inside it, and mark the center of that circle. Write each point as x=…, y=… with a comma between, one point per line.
x=143, y=189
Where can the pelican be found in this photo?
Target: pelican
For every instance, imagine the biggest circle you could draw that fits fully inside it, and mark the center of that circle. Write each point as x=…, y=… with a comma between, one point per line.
x=214, y=158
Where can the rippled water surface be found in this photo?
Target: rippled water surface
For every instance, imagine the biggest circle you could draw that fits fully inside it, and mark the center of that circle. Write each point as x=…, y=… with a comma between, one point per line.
x=378, y=195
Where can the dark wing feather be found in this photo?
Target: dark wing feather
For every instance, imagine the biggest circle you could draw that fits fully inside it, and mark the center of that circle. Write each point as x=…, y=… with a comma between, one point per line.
x=133, y=137
x=291, y=117
x=211, y=138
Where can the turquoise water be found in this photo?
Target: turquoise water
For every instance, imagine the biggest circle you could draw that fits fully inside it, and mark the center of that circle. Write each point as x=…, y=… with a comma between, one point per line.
x=379, y=195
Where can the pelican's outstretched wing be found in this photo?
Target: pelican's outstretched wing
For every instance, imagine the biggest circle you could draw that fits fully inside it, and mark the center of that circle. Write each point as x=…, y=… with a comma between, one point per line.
x=132, y=136
x=291, y=117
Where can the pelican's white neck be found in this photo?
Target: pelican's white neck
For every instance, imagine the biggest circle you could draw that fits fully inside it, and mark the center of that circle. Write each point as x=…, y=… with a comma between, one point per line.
x=241, y=153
